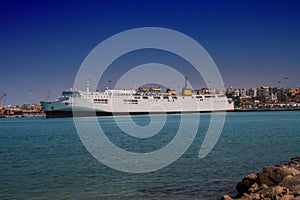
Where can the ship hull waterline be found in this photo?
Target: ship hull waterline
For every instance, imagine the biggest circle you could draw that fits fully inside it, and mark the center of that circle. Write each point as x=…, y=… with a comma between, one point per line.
x=68, y=114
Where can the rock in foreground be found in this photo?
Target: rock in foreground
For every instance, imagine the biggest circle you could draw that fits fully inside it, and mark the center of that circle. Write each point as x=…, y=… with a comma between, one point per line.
x=274, y=182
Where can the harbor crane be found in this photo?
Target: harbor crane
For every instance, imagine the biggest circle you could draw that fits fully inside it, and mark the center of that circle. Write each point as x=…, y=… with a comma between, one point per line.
x=2, y=97
x=48, y=95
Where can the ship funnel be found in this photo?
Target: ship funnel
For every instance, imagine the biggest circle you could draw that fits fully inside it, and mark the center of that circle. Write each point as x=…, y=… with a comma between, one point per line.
x=185, y=90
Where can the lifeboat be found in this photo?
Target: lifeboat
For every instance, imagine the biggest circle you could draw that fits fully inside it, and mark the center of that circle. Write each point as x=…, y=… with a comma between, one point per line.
x=171, y=92
x=156, y=89
x=143, y=89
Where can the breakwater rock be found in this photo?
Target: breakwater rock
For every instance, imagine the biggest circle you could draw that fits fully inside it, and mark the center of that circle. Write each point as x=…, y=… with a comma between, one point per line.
x=272, y=183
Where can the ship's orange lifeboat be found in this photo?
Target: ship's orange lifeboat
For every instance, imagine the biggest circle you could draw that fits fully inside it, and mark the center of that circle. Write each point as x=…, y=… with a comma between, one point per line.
x=157, y=89
x=143, y=89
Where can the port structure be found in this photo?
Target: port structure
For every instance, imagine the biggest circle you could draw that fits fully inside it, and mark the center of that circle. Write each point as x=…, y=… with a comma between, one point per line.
x=2, y=97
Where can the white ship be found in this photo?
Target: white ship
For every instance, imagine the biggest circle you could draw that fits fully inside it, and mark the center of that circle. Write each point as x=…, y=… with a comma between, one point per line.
x=144, y=100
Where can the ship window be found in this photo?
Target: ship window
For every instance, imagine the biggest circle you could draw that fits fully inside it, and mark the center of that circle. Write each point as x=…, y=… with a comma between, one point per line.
x=199, y=97
x=70, y=94
x=101, y=101
x=174, y=97
x=166, y=97
x=130, y=101
x=209, y=96
x=145, y=97
x=156, y=97
x=137, y=97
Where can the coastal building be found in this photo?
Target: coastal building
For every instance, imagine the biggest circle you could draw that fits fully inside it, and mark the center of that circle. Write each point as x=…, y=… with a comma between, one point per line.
x=265, y=92
x=25, y=110
x=243, y=92
x=13, y=111
x=252, y=92
x=236, y=92
x=293, y=91
x=246, y=101
x=278, y=93
x=229, y=90
x=2, y=109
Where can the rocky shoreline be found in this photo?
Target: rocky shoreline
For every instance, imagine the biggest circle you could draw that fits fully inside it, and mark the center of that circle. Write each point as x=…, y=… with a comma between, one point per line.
x=279, y=182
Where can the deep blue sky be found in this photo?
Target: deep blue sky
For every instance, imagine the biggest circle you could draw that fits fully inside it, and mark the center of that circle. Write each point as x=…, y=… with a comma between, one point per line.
x=43, y=43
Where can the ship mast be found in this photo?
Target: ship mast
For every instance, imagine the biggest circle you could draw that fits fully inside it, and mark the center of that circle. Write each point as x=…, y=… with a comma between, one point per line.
x=87, y=84
x=185, y=85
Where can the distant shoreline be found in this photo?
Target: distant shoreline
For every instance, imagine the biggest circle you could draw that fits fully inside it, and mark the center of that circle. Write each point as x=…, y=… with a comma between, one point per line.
x=22, y=116
x=266, y=109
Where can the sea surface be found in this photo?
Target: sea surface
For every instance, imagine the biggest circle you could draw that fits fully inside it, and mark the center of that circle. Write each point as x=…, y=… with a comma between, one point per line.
x=45, y=159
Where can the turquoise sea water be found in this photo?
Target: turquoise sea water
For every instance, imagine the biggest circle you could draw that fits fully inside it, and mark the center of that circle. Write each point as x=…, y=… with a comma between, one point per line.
x=45, y=159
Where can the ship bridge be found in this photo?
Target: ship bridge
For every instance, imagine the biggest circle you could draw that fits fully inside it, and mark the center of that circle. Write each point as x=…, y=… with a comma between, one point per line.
x=65, y=95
